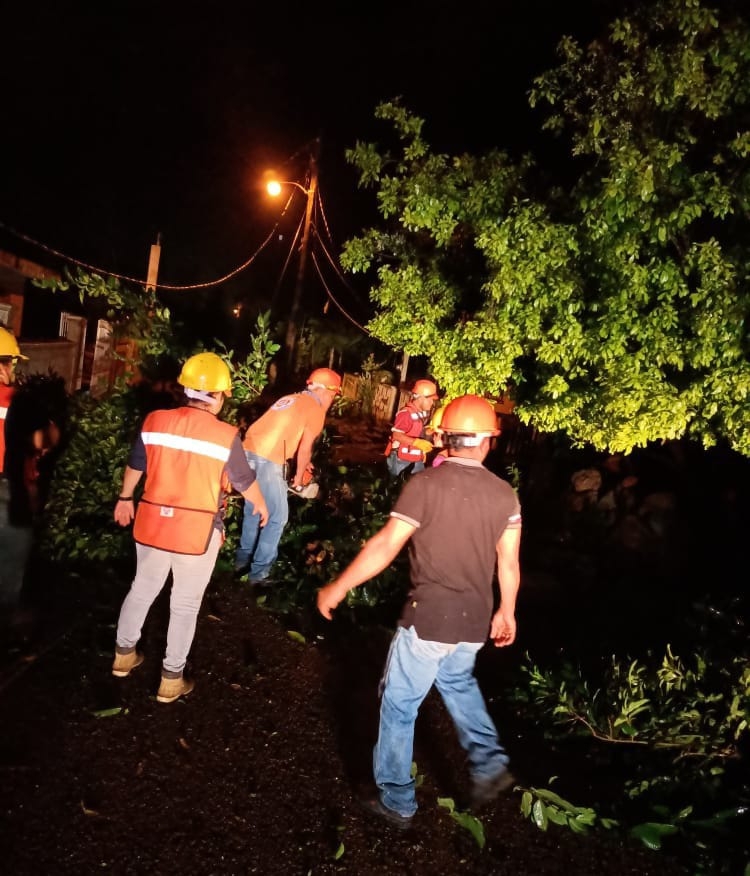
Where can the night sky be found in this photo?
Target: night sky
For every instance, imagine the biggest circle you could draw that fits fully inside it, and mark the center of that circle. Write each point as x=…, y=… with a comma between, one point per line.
x=133, y=118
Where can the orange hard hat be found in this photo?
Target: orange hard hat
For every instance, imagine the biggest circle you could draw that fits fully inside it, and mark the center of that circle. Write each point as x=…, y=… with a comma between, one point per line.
x=325, y=378
x=424, y=389
x=470, y=414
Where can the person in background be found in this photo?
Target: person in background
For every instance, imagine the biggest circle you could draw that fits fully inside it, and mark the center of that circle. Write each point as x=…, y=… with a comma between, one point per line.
x=190, y=459
x=27, y=434
x=288, y=429
x=408, y=446
x=10, y=353
x=434, y=435
x=462, y=523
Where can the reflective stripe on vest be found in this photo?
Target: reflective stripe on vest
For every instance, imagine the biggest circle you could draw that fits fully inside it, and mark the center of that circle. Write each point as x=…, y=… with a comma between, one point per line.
x=186, y=451
x=191, y=445
x=410, y=453
x=406, y=452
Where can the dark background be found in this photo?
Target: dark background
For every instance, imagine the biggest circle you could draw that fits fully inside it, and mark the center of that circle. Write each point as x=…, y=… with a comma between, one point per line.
x=128, y=119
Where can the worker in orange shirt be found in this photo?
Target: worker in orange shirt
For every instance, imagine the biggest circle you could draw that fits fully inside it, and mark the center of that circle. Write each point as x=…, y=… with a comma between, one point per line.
x=287, y=430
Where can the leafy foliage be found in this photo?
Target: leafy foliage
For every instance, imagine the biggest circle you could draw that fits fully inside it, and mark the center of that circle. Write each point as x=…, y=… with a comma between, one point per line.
x=250, y=375
x=615, y=308
x=689, y=707
x=323, y=536
x=681, y=725
x=544, y=807
x=78, y=521
x=137, y=315
x=328, y=339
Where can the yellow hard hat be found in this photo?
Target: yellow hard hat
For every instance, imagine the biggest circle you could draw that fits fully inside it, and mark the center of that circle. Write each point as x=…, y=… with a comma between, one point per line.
x=9, y=345
x=206, y=372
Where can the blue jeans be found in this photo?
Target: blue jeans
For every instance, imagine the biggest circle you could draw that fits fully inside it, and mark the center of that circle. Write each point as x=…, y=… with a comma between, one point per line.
x=412, y=667
x=262, y=543
x=395, y=465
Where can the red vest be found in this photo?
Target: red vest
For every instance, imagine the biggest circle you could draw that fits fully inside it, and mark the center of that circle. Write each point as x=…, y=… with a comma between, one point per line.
x=6, y=393
x=407, y=452
x=186, y=452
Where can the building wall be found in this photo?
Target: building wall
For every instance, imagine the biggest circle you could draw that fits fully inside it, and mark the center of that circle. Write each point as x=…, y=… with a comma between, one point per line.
x=59, y=356
x=14, y=274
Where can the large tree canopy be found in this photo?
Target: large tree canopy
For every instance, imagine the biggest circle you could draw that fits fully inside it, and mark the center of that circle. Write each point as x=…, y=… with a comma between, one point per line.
x=615, y=308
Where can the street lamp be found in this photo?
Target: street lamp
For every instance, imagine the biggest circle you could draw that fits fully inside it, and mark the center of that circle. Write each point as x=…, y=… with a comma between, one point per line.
x=274, y=187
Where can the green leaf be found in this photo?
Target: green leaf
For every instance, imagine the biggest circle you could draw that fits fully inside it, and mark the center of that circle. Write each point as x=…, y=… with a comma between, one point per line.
x=472, y=824
x=339, y=852
x=576, y=826
x=539, y=815
x=557, y=817
x=651, y=833
x=108, y=713
x=551, y=797
x=296, y=637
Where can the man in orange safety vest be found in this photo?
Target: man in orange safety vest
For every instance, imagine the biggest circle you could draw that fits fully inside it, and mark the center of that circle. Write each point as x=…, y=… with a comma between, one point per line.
x=190, y=459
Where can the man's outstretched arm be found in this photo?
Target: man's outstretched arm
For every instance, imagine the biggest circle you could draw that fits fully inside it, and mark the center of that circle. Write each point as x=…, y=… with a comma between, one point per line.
x=377, y=553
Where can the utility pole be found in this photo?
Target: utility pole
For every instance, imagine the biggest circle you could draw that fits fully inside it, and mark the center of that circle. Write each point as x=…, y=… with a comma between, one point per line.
x=153, y=264
x=292, y=327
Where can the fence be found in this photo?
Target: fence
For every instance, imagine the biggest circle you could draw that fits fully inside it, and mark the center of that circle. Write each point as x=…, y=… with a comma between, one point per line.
x=385, y=397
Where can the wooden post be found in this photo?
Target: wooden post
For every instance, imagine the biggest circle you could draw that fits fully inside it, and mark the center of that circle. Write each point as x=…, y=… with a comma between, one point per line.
x=404, y=369
x=401, y=383
x=153, y=265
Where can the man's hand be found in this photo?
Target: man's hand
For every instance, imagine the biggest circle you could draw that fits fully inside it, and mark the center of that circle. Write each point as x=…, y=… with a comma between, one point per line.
x=262, y=509
x=124, y=512
x=254, y=496
x=422, y=444
x=125, y=508
x=503, y=629
x=376, y=554
x=329, y=597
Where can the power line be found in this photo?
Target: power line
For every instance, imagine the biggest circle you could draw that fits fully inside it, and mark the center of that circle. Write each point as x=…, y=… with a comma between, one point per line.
x=334, y=262
x=335, y=266
x=333, y=298
x=140, y=281
x=289, y=255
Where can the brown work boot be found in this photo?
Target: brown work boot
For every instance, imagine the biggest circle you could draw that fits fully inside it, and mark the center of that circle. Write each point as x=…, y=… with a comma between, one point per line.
x=172, y=689
x=125, y=662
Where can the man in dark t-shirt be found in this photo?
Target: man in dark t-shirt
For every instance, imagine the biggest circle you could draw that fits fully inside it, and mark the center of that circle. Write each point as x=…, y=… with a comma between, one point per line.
x=461, y=523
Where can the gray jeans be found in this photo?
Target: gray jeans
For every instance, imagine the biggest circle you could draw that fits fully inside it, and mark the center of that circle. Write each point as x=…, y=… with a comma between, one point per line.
x=190, y=577
x=15, y=546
